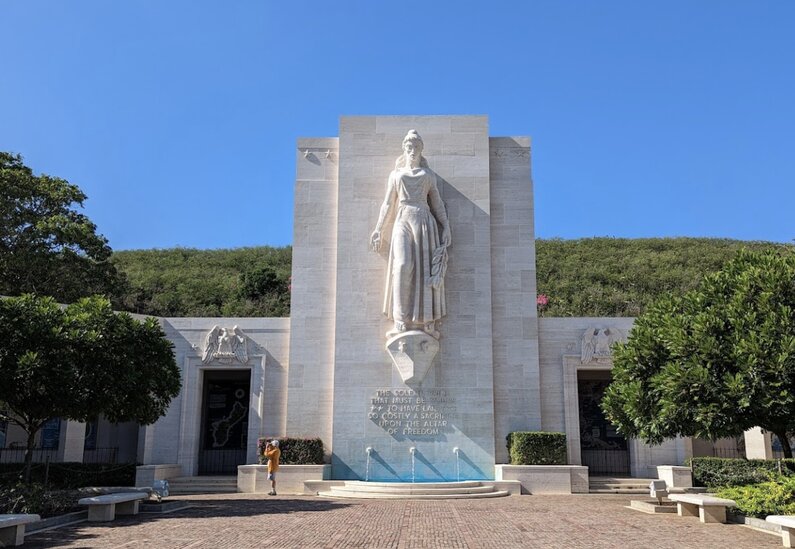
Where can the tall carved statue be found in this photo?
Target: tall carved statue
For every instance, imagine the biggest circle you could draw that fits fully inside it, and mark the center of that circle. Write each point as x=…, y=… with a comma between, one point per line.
x=414, y=294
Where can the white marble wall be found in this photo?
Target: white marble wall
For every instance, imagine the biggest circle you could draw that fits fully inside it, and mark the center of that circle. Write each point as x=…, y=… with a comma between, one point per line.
x=517, y=400
x=311, y=376
x=457, y=149
x=174, y=438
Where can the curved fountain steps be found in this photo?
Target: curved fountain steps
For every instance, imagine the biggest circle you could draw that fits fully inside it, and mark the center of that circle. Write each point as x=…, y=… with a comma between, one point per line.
x=417, y=490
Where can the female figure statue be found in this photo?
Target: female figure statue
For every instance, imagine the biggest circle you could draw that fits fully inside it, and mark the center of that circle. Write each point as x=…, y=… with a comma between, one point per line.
x=414, y=296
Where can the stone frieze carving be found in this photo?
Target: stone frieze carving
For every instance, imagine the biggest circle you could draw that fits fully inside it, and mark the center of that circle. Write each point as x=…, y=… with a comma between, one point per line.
x=596, y=343
x=226, y=345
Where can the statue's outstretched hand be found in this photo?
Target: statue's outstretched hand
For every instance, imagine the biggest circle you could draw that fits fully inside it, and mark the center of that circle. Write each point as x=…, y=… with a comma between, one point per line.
x=446, y=237
x=375, y=241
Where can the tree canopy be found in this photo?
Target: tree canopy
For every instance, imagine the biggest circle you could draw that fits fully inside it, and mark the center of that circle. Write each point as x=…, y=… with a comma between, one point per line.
x=81, y=361
x=715, y=361
x=47, y=246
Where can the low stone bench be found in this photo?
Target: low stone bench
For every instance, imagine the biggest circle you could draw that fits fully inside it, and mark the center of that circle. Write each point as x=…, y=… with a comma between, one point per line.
x=787, y=523
x=706, y=508
x=12, y=529
x=104, y=508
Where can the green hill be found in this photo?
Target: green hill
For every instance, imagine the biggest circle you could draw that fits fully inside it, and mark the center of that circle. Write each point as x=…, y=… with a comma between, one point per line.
x=188, y=282
x=586, y=277
x=620, y=276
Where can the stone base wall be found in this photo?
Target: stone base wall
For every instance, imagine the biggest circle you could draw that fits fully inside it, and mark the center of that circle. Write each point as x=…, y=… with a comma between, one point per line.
x=290, y=479
x=546, y=479
x=146, y=475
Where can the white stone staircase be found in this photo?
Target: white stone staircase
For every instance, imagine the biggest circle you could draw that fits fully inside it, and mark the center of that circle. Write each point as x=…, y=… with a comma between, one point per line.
x=619, y=485
x=202, y=485
x=416, y=490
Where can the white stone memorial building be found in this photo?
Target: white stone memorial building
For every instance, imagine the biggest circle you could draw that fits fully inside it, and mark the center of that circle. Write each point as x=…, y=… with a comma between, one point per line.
x=413, y=325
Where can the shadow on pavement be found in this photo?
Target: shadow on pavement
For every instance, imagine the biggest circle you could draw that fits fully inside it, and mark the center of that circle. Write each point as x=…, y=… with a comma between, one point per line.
x=80, y=535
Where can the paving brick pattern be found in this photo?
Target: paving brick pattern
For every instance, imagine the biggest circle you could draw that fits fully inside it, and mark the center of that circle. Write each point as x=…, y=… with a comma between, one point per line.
x=243, y=521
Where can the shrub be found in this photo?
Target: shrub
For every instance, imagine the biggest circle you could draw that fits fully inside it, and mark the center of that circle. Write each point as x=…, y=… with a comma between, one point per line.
x=294, y=451
x=71, y=475
x=34, y=498
x=776, y=497
x=537, y=448
x=719, y=472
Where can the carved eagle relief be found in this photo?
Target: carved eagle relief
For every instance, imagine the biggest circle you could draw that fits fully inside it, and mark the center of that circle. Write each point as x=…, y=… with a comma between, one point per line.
x=596, y=343
x=225, y=345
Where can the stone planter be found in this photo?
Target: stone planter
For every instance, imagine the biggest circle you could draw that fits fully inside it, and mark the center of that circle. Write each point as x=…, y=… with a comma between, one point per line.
x=546, y=479
x=675, y=476
x=289, y=479
x=145, y=475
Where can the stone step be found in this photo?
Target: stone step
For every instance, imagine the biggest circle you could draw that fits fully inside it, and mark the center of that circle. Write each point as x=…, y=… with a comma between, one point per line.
x=619, y=487
x=355, y=494
x=618, y=491
x=413, y=490
x=202, y=490
x=202, y=485
x=204, y=480
x=417, y=490
x=412, y=485
x=620, y=480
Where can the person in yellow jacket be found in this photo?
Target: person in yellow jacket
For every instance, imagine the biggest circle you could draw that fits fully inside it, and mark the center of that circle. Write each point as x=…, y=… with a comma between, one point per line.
x=273, y=453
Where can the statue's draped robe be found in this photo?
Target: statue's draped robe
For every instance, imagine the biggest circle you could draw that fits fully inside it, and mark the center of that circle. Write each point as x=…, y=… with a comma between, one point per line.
x=410, y=296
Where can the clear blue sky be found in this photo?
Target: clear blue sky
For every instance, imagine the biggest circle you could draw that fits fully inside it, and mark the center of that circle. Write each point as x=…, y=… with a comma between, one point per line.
x=179, y=118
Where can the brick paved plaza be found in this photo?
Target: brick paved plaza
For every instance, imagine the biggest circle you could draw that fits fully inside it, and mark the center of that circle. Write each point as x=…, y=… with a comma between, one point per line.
x=247, y=520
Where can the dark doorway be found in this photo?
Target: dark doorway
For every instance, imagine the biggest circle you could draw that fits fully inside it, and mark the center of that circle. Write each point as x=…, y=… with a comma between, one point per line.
x=602, y=448
x=224, y=430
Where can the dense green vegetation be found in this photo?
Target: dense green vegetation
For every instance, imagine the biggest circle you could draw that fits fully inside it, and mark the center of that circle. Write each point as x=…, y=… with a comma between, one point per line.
x=760, y=487
x=187, y=282
x=585, y=277
x=537, y=448
x=774, y=497
x=715, y=473
x=621, y=277
x=294, y=451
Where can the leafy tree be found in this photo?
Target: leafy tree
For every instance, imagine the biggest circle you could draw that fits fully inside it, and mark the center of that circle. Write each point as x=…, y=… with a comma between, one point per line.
x=715, y=361
x=46, y=246
x=79, y=362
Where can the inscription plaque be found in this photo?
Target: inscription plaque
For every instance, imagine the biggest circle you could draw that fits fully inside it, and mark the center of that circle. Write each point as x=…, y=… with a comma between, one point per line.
x=414, y=413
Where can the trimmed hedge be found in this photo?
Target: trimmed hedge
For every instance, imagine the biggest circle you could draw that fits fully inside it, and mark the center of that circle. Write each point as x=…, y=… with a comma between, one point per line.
x=294, y=451
x=720, y=472
x=34, y=498
x=537, y=448
x=70, y=475
x=776, y=497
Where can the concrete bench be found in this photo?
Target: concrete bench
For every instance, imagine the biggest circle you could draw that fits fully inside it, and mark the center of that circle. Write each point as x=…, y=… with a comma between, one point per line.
x=12, y=529
x=104, y=508
x=787, y=523
x=706, y=508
